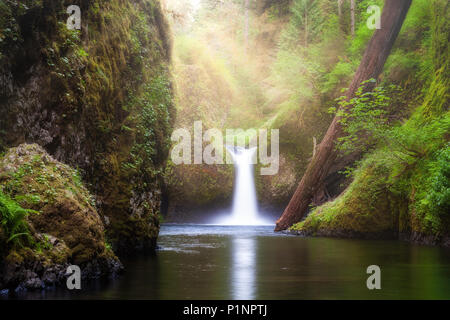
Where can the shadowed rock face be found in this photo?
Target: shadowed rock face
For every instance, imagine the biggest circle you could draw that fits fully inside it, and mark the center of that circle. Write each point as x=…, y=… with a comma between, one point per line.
x=64, y=226
x=99, y=99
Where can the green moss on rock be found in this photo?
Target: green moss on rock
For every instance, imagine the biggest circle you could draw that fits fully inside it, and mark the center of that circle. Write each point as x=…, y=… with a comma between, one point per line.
x=64, y=225
x=383, y=203
x=195, y=188
x=363, y=210
x=275, y=191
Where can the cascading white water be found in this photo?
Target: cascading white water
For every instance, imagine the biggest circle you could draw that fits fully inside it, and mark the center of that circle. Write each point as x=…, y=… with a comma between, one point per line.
x=245, y=208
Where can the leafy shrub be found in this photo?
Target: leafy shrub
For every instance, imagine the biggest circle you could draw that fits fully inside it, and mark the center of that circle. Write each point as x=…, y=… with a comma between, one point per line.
x=364, y=118
x=439, y=195
x=434, y=196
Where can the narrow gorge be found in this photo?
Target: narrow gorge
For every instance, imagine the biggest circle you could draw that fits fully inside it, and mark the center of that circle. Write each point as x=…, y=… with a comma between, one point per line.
x=224, y=149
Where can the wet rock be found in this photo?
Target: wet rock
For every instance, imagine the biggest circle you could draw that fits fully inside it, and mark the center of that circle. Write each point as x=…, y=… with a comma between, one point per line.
x=33, y=282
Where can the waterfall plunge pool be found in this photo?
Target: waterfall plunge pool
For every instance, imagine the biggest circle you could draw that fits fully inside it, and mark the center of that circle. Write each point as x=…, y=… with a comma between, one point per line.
x=241, y=258
x=253, y=262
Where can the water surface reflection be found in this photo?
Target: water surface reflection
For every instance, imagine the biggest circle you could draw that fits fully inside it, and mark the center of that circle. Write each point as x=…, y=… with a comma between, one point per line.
x=226, y=262
x=243, y=268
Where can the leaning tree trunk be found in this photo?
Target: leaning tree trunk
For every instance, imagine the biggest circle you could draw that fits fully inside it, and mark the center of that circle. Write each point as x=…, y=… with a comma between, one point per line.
x=371, y=66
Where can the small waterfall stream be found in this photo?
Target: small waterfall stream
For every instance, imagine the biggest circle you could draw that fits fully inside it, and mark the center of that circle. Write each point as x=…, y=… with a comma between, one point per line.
x=245, y=207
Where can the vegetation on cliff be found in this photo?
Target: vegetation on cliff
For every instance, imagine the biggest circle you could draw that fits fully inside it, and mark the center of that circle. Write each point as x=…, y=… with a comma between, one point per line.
x=401, y=187
x=286, y=76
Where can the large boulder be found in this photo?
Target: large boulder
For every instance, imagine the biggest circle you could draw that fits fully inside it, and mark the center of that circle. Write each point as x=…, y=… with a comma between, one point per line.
x=63, y=224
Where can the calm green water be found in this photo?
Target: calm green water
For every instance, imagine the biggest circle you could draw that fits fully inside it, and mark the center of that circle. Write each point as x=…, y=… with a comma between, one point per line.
x=217, y=262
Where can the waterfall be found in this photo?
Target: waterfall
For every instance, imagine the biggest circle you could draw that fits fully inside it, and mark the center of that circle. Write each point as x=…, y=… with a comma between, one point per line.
x=245, y=207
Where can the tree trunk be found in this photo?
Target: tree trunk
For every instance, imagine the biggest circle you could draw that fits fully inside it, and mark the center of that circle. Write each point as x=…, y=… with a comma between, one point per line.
x=372, y=63
x=352, y=12
x=247, y=24
x=306, y=25
x=340, y=9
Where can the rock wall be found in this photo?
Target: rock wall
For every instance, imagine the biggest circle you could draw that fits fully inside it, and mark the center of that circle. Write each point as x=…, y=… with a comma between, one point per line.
x=98, y=99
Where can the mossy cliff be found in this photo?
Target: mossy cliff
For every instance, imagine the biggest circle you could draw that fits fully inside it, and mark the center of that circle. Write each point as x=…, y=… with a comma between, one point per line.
x=48, y=222
x=98, y=99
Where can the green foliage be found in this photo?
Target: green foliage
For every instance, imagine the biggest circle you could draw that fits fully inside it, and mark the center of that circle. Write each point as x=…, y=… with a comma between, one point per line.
x=278, y=9
x=306, y=62
x=363, y=34
x=434, y=195
x=437, y=66
x=364, y=118
x=415, y=170
x=13, y=221
x=417, y=154
x=338, y=77
x=154, y=124
x=408, y=167
x=307, y=18
x=109, y=83
x=43, y=244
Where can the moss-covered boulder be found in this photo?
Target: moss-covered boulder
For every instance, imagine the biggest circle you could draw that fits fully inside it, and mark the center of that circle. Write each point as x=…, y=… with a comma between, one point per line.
x=275, y=191
x=62, y=225
x=98, y=99
x=362, y=211
x=197, y=190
